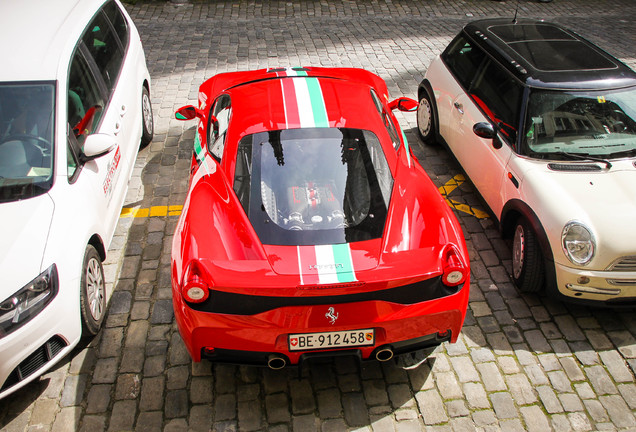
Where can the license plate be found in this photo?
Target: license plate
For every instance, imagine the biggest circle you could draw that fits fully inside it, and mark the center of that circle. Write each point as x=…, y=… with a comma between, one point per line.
x=338, y=339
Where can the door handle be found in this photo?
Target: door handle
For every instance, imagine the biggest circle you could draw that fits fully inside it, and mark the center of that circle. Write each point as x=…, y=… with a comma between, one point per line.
x=459, y=107
x=122, y=110
x=117, y=128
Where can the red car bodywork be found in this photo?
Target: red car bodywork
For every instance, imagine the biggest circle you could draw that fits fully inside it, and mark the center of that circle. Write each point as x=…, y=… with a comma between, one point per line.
x=249, y=297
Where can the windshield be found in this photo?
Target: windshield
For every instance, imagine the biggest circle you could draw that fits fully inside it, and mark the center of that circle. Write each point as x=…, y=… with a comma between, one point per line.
x=26, y=139
x=597, y=124
x=313, y=186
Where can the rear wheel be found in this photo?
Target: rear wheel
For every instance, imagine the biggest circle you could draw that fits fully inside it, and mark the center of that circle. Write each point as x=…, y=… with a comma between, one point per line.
x=92, y=292
x=426, y=119
x=147, y=123
x=528, y=268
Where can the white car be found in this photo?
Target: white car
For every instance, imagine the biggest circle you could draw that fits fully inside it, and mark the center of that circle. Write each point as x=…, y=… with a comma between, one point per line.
x=544, y=124
x=74, y=110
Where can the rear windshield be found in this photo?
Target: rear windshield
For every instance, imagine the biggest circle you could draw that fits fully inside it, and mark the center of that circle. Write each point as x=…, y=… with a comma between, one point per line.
x=313, y=186
x=26, y=139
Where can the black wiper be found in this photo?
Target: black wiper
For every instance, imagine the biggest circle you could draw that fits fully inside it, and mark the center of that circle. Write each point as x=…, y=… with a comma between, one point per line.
x=583, y=156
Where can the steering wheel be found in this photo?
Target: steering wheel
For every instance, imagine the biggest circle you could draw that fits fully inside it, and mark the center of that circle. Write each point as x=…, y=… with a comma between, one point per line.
x=44, y=149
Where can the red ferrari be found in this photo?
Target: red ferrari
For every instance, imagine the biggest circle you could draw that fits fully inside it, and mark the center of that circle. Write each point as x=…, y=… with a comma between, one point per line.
x=309, y=228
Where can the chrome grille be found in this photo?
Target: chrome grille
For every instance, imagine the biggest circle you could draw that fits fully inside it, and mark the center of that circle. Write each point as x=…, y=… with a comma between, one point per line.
x=622, y=282
x=624, y=264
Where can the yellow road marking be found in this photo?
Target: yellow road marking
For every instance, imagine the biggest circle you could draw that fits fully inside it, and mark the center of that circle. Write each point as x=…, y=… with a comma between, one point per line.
x=449, y=187
x=173, y=210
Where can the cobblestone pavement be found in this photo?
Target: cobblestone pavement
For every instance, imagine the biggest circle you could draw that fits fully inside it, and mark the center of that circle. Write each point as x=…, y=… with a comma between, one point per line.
x=522, y=362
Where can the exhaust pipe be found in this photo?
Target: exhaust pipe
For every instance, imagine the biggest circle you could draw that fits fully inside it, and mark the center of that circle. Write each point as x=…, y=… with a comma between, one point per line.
x=275, y=362
x=384, y=354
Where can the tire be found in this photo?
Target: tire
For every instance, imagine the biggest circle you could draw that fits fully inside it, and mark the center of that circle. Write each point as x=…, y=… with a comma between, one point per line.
x=528, y=266
x=92, y=292
x=147, y=122
x=426, y=119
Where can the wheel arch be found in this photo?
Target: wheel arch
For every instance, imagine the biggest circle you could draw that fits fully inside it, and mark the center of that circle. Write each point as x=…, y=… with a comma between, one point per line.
x=511, y=212
x=97, y=242
x=516, y=208
x=426, y=87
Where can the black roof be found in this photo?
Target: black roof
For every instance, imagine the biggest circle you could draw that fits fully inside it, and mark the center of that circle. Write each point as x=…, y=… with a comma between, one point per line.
x=547, y=55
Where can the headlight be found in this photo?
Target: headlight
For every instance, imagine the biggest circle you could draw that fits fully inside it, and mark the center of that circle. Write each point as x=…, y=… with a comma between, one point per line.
x=25, y=304
x=578, y=243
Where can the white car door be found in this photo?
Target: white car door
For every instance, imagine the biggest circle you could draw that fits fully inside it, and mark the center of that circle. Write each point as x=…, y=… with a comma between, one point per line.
x=495, y=98
x=121, y=118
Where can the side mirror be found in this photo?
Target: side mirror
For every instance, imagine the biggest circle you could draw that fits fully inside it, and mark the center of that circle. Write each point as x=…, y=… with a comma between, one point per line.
x=487, y=131
x=97, y=145
x=187, y=112
x=403, y=104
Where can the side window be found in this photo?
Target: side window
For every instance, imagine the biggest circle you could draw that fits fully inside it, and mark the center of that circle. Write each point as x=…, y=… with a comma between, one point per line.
x=104, y=47
x=84, y=104
x=463, y=60
x=118, y=21
x=499, y=95
x=220, y=111
x=386, y=120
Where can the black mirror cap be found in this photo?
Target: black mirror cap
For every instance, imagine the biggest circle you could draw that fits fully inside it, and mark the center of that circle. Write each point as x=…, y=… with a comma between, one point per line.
x=484, y=130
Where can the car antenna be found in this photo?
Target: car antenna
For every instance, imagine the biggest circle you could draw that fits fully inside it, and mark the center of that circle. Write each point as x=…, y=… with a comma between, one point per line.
x=514, y=20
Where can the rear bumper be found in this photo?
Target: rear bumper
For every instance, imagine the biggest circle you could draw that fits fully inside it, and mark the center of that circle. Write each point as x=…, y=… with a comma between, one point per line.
x=254, y=339
x=277, y=360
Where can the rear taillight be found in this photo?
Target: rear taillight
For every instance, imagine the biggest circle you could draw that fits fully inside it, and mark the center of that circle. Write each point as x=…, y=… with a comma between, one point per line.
x=195, y=288
x=455, y=272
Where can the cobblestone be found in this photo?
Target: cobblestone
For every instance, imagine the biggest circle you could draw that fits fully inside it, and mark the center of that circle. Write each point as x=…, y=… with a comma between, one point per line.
x=522, y=362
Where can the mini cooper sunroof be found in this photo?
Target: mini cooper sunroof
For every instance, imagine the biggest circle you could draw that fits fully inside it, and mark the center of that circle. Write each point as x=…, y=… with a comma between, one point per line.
x=549, y=48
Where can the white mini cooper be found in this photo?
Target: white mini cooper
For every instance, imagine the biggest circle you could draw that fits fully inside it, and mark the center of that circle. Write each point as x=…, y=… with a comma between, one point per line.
x=544, y=124
x=74, y=109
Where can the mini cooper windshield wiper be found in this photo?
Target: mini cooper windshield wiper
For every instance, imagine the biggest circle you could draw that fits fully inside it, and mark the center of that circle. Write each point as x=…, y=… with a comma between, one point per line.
x=583, y=156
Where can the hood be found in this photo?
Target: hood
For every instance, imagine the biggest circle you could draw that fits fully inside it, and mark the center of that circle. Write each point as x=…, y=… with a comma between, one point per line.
x=605, y=201
x=24, y=229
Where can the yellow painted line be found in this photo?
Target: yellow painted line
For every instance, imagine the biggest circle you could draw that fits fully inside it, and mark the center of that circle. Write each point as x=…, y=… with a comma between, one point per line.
x=154, y=211
x=175, y=210
x=449, y=187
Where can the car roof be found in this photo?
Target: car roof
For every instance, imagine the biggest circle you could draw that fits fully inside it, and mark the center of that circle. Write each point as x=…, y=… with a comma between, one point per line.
x=37, y=35
x=257, y=104
x=544, y=54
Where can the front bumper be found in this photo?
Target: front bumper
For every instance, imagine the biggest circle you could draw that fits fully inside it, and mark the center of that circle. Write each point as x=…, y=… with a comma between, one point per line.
x=256, y=339
x=34, y=348
x=609, y=288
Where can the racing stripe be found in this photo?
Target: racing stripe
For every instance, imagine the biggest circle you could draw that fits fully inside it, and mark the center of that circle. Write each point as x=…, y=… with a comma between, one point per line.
x=290, y=106
x=201, y=156
x=307, y=259
x=342, y=255
x=325, y=264
x=303, y=101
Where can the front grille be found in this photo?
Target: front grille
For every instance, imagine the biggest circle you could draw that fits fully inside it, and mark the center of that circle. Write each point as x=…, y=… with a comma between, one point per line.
x=35, y=361
x=573, y=167
x=243, y=304
x=624, y=264
x=622, y=282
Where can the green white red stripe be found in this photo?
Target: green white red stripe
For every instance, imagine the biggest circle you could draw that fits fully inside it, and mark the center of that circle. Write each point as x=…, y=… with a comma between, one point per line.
x=325, y=264
x=303, y=100
x=201, y=156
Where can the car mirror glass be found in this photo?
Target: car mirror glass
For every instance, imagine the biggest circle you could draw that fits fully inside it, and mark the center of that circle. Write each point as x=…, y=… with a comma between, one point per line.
x=187, y=112
x=403, y=104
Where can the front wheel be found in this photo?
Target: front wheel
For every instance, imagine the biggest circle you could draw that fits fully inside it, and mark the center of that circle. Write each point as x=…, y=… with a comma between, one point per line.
x=92, y=292
x=528, y=267
x=147, y=122
x=426, y=119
